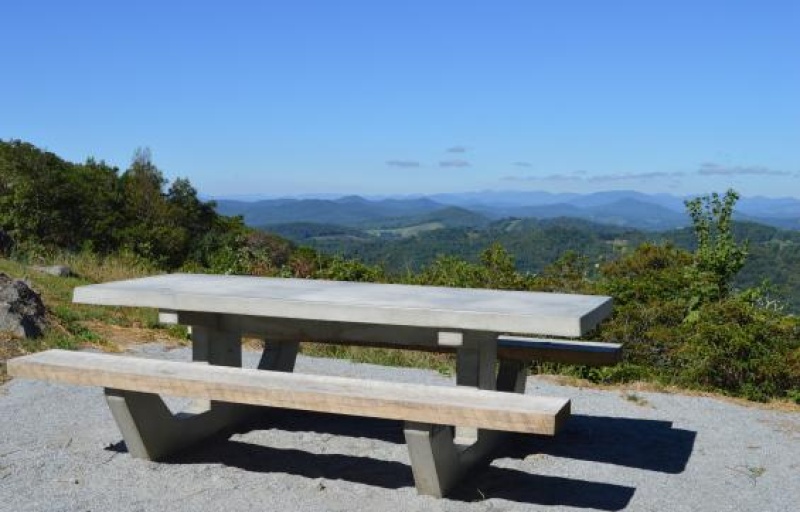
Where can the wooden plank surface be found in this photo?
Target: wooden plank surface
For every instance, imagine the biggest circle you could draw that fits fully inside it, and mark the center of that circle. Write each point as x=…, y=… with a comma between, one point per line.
x=399, y=401
x=551, y=314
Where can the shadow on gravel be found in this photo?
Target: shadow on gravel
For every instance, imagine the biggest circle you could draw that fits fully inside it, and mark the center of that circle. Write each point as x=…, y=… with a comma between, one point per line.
x=522, y=487
x=637, y=443
x=389, y=431
x=491, y=482
x=591, y=437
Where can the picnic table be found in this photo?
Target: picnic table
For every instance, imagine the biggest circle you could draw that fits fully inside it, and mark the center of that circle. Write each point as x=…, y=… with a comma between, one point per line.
x=449, y=430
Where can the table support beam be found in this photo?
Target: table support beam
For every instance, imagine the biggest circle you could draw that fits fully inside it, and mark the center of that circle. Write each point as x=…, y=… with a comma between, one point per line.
x=476, y=358
x=215, y=346
x=511, y=376
x=279, y=356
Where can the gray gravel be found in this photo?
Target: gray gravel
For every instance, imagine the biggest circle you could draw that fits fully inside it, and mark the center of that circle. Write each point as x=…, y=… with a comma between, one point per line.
x=60, y=450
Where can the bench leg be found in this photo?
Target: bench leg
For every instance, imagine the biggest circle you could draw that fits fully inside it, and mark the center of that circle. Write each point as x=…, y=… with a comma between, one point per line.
x=511, y=376
x=279, y=356
x=441, y=455
x=438, y=463
x=152, y=432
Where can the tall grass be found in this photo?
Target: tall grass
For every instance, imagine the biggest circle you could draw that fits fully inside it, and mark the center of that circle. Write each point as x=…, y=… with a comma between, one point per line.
x=91, y=267
x=70, y=325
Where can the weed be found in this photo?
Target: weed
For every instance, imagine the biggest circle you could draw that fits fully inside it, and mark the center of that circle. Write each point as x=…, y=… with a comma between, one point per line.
x=751, y=472
x=637, y=399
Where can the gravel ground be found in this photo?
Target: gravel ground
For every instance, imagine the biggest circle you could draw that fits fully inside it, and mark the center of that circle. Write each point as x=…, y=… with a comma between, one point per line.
x=60, y=450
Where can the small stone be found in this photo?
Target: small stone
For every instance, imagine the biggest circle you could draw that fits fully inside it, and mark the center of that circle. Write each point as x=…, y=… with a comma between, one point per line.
x=55, y=270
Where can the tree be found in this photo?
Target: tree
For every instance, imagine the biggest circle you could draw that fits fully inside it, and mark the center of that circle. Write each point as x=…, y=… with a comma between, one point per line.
x=718, y=258
x=48, y=201
x=148, y=228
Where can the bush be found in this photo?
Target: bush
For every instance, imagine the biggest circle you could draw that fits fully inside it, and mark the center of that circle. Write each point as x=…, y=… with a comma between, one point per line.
x=738, y=348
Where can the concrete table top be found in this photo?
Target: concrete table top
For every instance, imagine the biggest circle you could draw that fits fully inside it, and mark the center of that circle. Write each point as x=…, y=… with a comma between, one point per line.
x=498, y=311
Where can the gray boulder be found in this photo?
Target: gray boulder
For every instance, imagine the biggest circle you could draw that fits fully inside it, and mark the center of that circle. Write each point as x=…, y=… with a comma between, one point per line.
x=55, y=270
x=21, y=309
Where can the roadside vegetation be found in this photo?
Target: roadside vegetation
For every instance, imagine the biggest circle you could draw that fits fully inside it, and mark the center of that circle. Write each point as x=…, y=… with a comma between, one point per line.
x=678, y=311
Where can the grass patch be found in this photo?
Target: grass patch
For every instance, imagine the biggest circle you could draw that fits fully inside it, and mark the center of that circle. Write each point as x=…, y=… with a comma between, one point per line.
x=70, y=325
x=56, y=293
x=442, y=363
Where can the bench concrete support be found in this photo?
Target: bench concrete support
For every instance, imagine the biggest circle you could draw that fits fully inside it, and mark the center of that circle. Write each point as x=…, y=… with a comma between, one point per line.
x=215, y=346
x=511, y=376
x=438, y=462
x=441, y=455
x=475, y=361
x=151, y=431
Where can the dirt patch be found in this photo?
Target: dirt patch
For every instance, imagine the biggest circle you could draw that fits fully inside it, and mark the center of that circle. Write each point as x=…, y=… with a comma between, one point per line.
x=116, y=337
x=785, y=426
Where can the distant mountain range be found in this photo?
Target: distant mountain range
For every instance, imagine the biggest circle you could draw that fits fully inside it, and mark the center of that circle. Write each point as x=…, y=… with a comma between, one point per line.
x=623, y=208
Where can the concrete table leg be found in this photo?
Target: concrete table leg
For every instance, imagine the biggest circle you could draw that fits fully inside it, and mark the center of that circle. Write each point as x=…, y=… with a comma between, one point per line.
x=511, y=376
x=148, y=427
x=442, y=455
x=279, y=356
x=438, y=463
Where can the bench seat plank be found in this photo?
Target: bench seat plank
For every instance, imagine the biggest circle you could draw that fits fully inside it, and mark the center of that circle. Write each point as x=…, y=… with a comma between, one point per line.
x=411, y=402
x=590, y=353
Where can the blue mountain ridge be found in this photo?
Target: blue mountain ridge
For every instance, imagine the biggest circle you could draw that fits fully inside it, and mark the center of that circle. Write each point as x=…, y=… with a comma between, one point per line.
x=618, y=207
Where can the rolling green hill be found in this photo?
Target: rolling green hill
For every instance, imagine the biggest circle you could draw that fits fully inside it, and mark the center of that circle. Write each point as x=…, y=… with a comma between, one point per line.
x=534, y=244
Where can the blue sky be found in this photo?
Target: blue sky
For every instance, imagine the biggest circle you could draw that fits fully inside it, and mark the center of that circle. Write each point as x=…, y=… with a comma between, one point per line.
x=276, y=98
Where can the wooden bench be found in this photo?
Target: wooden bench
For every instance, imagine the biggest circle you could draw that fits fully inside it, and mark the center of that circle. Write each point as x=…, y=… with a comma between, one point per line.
x=358, y=397
x=132, y=385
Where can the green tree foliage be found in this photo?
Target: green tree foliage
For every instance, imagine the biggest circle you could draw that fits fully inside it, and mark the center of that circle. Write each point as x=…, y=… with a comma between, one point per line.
x=568, y=274
x=495, y=270
x=682, y=322
x=48, y=202
x=718, y=257
x=145, y=226
x=740, y=348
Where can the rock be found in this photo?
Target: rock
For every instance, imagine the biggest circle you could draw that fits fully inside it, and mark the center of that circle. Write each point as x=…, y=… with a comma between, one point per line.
x=6, y=243
x=21, y=309
x=55, y=270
